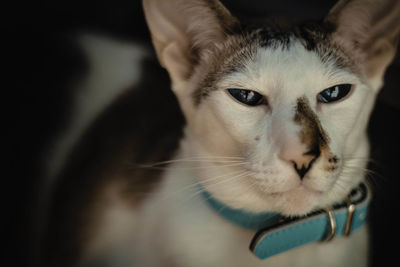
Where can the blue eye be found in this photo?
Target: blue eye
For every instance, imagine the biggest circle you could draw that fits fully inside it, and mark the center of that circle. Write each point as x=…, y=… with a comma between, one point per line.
x=247, y=97
x=334, y=93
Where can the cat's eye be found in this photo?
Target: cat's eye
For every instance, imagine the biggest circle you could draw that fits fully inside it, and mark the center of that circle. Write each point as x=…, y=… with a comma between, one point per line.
x=247, y=97
x=334, y=93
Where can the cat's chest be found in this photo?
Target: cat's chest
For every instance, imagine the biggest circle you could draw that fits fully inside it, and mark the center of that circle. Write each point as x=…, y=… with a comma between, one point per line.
x=179, y=228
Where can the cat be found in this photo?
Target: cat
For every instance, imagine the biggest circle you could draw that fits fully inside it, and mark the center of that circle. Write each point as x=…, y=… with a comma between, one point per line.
x=275, y=128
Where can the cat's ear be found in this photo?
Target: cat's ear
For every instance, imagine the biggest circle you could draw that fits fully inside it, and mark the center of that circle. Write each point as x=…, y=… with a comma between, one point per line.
x=371, y=30
x=182, y=29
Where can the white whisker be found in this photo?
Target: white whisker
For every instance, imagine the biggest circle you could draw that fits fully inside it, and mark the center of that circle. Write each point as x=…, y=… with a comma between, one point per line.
x=198, y=159
x=241, y=175
x=199, y=183
x=231, y=164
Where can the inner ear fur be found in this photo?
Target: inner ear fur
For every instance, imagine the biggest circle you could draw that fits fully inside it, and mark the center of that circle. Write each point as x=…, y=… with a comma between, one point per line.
x=370, y=29
x=182, y=29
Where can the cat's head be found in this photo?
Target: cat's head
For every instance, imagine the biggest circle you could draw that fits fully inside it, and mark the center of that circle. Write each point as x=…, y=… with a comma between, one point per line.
x=276, y=115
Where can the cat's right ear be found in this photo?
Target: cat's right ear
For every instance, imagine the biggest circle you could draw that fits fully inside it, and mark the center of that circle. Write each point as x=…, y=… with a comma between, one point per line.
x=182, y=30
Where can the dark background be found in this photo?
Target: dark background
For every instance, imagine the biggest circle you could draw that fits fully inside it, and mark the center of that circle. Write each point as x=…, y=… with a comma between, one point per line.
x=41, y=62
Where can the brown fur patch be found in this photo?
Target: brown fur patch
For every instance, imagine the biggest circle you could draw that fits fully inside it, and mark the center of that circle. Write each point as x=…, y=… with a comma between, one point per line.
x=319, y=39
x=225, y=19
x=312, y=133
x=229, y=57
x=143, y=126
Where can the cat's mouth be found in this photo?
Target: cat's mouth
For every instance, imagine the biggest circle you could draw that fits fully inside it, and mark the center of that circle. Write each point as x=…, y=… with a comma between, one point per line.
x=271, y=187
x=284, y=182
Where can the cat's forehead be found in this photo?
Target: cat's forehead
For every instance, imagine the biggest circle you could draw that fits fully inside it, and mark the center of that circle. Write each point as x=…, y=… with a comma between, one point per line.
x=295, y=69
x=274, y=55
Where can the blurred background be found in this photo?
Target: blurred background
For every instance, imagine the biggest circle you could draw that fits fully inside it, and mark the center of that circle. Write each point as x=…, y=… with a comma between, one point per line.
x=42, y=62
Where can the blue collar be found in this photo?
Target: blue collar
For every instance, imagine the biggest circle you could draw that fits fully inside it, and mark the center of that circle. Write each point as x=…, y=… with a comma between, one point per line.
x=276, y=234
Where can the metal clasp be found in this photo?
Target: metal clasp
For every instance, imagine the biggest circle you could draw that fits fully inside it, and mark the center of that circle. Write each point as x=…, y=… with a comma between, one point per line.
x=332, y=223
x=351, y=208
x=350, y=214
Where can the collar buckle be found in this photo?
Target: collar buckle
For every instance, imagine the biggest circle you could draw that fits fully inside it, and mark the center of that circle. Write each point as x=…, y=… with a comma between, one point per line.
x=351, y=208
x=332, y=223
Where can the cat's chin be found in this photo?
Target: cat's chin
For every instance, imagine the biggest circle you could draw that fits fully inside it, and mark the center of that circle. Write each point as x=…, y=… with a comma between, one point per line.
x=298, y=201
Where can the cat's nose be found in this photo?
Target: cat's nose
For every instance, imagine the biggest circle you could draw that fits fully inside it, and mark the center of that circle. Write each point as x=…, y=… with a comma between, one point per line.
x=301, y=160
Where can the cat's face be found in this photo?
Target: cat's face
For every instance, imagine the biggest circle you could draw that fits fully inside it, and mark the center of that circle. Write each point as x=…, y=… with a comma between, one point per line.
x=290, y=150
x=279, y=115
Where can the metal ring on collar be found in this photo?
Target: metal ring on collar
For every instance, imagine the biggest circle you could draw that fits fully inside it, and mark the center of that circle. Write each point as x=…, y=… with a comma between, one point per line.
x=332, y=223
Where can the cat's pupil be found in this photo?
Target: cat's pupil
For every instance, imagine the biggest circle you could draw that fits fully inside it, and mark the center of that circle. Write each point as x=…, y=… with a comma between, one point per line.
x=249, y=94
x=248, y=97
x=334, y=93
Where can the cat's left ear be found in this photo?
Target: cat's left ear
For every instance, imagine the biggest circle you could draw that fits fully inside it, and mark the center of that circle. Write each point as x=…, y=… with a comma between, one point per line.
x=182, y=29
x=370, y=30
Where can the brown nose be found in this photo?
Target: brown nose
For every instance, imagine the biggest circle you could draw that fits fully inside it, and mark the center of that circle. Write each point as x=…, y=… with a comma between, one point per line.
x=302, y=161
